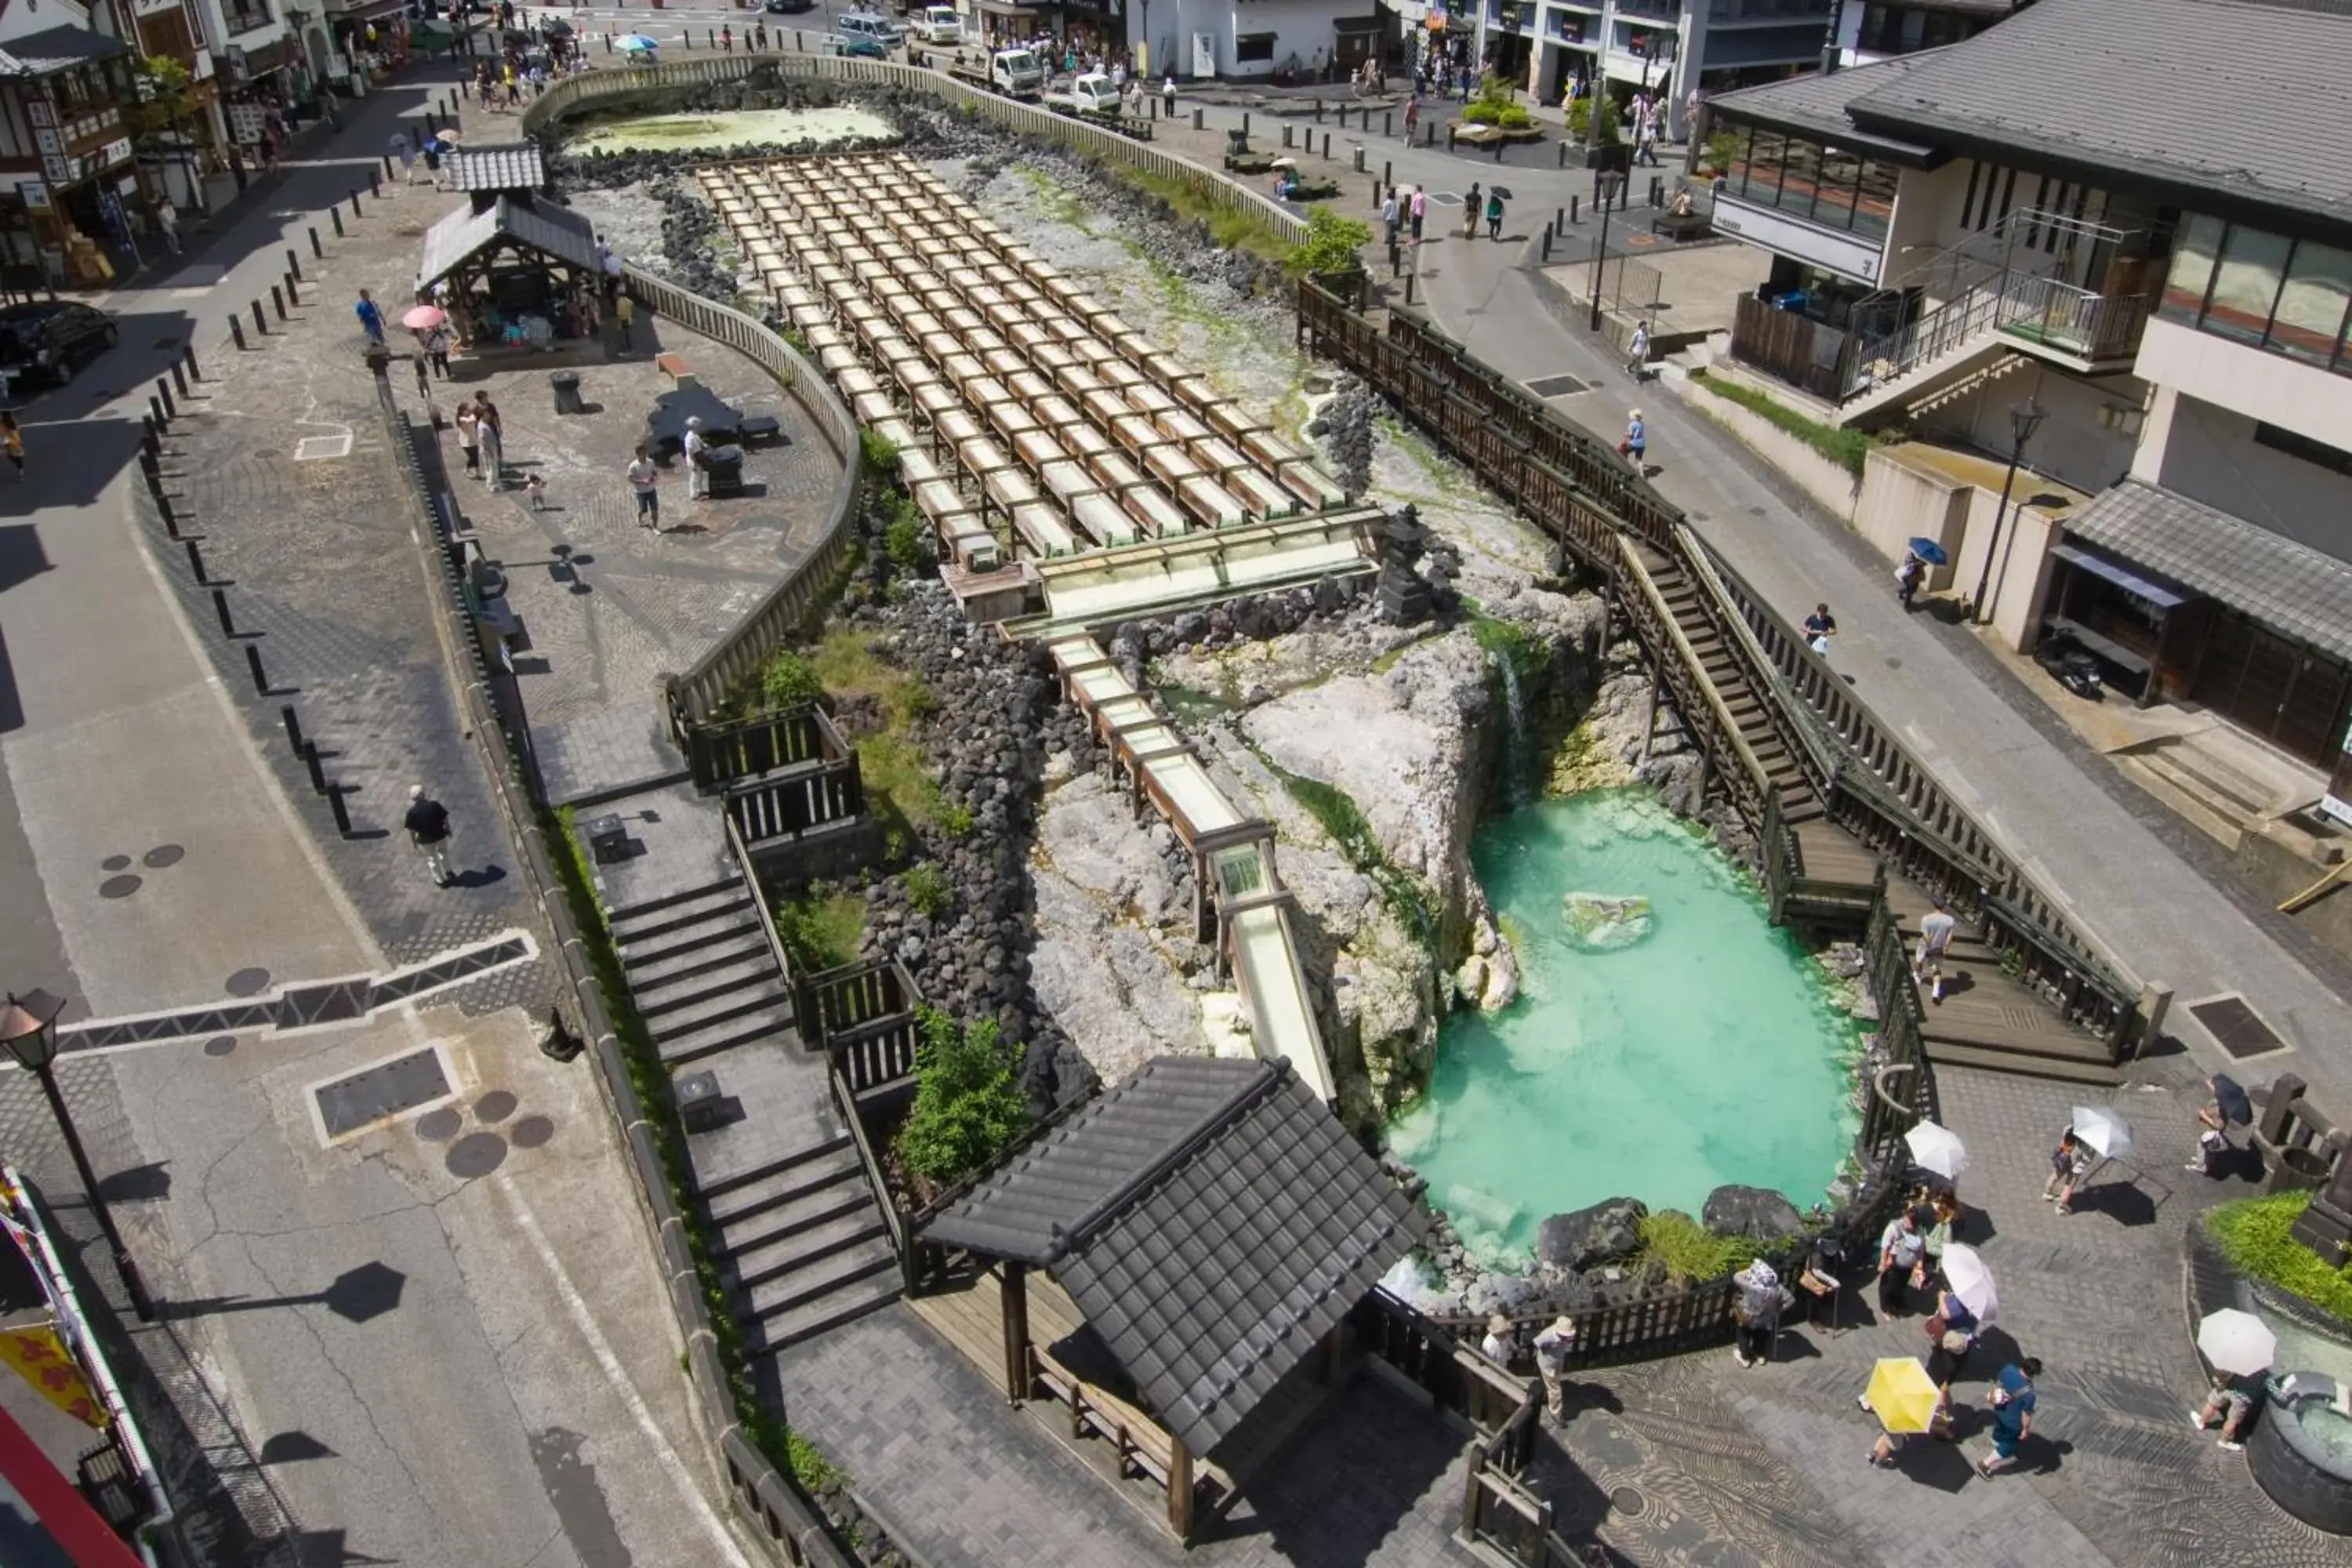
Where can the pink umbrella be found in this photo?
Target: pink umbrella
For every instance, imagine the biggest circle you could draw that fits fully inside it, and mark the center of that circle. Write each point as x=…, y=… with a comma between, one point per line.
x=423, y=318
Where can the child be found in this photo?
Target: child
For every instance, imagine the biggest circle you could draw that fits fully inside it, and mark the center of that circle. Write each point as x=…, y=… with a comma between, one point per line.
x=2067, y=1163
x=536, y=486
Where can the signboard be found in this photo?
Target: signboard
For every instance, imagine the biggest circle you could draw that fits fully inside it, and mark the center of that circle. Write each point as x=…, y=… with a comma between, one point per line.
x=39, y=112
x=152, y=7
x=35, y=194
x=115, y=152
x=2337, y=802
x=245, y=122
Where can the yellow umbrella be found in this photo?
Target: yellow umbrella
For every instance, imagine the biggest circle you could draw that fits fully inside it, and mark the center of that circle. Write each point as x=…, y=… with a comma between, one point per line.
x=1901, y=1394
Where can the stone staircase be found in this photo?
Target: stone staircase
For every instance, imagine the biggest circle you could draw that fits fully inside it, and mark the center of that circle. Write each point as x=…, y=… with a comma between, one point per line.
x=797, y=1222
x=1987, y=1018
x=2204, y=788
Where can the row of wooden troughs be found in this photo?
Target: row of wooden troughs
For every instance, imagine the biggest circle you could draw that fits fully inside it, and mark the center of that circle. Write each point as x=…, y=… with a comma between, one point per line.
x=1028, y=417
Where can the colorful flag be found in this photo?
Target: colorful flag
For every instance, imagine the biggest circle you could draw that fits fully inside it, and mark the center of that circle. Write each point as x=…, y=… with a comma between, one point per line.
x=40, y=1358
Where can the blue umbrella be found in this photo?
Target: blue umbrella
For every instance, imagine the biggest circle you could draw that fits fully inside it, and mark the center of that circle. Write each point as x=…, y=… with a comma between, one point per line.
x=2230, y=1100
x=633, y=42
x=1930, y=551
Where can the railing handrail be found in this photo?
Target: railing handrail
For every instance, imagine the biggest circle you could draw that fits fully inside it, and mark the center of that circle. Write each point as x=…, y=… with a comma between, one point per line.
x=1640, y=577
x=1708, y=572
x=775, y=941
x=844, y=1099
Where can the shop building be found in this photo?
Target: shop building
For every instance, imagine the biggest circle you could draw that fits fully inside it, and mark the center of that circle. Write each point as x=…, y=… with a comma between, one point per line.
x=68, y=185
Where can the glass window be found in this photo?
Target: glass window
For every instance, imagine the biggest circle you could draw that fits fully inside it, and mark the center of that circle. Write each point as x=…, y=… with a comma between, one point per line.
x=2311, y=307
x=2192, y=269
x=2246, y=284
x=1873, y=207
x=1762, y=172
x=1915, y=27
x=1841, y=172
x=1802, y=177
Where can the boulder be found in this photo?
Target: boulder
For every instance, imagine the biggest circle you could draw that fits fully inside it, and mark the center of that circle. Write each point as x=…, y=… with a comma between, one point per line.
x=1470, y=980
x=1502, y=986
x=1585, y=1238
x=1601, y=923
x=1757, y=1212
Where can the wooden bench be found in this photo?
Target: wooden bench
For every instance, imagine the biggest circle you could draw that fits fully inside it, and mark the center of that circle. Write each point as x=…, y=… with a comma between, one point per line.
x=674, y=366
x=1680, y=226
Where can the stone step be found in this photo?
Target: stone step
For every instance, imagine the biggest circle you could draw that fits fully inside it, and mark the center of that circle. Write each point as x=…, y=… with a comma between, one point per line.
x=725, y=1025
x=870, y=1295
x=785, y=1169
x=805, y=1252
x=2052, y=1038
x=649, y=955
x=834, y=1191
x=1946, y=1054
x=783, y=1296
x=659, y=916
x=752, y=972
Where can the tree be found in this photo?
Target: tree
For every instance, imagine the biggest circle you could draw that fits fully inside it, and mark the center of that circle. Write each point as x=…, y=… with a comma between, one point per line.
x=968, y=1106
x=159, y=87
x=1331, y=244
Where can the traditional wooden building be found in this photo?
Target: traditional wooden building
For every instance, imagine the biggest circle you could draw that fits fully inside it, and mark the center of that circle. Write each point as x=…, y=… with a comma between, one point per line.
x=66, y=166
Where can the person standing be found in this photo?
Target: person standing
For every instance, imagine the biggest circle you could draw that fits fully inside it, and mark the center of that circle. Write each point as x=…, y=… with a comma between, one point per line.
x=1390, y=214
x=469, y=436
x=405, y=153
x=1411, y=117
x=1943, y=1216
x=1553, y=1348
x=1470, y=205
x=1951, y=1334
x=2012, y=1414
x=1820, y=626
x=167, y=223
x=644, y=475
x=494, y=446
x=428, y=829
x=2068, y=1163
x=371, y=319
x=437, y=349
x=625, y=318
x=1637, y=350
x=1416, y=211
x=1636, y=444
x=421, y=360
x=697, y=448
x=1900, y=1246
x=12, y=435
x=1494, y=214
x=1168, y=97
x=1756, y=1314
x=1936, y=934
x=1497, y=1345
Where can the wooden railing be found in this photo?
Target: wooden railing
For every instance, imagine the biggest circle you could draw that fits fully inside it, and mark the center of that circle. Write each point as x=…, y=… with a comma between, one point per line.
x=1697, y=697
x=720, y=754
x=862, y=1016
x=844, y=1101
x=1896, y=1096
x=1505, y=1518
x=770, y=810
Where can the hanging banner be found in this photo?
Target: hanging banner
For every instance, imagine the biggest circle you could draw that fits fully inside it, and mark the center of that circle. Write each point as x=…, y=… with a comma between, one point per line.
x=40, y=1358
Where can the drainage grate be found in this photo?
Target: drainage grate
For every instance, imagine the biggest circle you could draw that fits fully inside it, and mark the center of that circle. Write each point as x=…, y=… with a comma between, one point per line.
x=2239, y=1028
x=315, y=449
x=1557, y=386
x=387, y=1089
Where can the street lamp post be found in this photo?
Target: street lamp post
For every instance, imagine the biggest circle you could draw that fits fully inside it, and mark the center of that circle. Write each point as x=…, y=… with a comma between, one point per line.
x=2025, y=419
x=1610, y=183
x=28, y=1032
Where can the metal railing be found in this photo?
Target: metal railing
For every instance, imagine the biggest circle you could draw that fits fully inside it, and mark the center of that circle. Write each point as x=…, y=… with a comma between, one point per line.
x=2039, y=308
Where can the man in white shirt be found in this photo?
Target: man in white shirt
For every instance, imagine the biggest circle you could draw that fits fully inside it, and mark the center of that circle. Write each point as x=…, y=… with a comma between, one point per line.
x=1553, y=1347
x=697, y=477
x=1637, y=350
x=643, y=477
x=1936, y=934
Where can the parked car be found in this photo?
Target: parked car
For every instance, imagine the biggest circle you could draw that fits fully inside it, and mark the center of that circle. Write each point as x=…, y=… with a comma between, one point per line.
x=867, y=48
x=50, y=339
x=788, y=8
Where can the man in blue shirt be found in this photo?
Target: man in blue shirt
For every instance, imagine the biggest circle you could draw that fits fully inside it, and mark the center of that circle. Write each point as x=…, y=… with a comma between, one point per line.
x=1636, y=444
x=371, y=319
x=2012, y=1414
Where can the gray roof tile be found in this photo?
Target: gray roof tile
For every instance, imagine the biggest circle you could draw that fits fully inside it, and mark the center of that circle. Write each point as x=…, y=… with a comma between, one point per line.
x=515, y=167
x=2290, y=588
x=549, y=230
x=1817, y=101
x=55, y=49
x=1211, y=1218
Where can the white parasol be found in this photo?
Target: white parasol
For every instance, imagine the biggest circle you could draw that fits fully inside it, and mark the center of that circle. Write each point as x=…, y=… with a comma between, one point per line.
x=1937, y=1148
x=2237, y=1343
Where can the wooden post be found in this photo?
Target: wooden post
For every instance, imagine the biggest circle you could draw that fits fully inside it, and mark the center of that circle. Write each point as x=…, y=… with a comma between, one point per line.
x=1014, y=1287
x=1471, y=1472
x=1179, y=1488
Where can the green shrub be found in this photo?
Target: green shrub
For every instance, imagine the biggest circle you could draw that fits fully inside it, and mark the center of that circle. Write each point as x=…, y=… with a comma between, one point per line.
x=1331, y=244
x=905, y=539
x=881, y=453
x=2252, y=1235
x=1580, y=115
x=789, y=680
x=820, y=929
x=1848, y=448
x=1481, y=113
x=1515, y=117
x=955, y=821
x=1678, y=1247
x=927, y=890
x=968, y=1107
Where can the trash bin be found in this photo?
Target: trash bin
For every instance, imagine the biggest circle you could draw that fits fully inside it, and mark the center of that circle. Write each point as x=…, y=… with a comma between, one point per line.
x=2296, y=1171
x=566, y=383
x=725, y=466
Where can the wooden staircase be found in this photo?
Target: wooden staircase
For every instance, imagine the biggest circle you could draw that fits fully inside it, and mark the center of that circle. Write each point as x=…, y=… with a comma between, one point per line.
x=1987, y=1018
x=1800, y=802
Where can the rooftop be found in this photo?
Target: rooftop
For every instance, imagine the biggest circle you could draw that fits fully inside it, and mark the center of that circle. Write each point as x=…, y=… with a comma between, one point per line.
x=1816, y=104
x=54, y=49
x=1211, y=1218
x=515, y=166
x=552, y=231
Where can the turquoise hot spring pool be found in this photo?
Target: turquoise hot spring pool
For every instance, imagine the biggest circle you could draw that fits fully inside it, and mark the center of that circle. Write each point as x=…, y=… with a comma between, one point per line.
x=1656, y=1063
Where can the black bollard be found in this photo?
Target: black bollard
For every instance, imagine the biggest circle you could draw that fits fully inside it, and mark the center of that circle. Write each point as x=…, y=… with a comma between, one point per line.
x=253, y=663
x=170, y=517
x=1318, y=111
x=196, y=560
x=1547, y=245
x=1408, y=287
x=1327, y=143
x=293, y=727
x=293, y=263
x=1387, y=173
x=1575, y=210
x=293, y=297
x=277, y=300
x=195, y=372
x=317, y=769
x=342, y=813
x=336, y=213
x=179, y=379
x=156, y=407
x=220, y=608
x=355, y=202
x=375, y=187
x=163, y=392
x=387, y=172
x=1388, y=124
x=1197, y=122
x=1396, y=258
x=1286, y=136
x=317, y=248
x=1244, y=124
x=1563, y=154
x=1498, y=152
x=236, y=331
x=258, y=324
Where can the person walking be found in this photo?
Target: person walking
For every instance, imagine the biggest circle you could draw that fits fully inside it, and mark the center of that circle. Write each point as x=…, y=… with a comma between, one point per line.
x=494, y=446
x=1636, y=444
x=535, y=486
x=1411, y=117
x=1416, y=211
x=1755, y=1315
x=1168, y=99
x=1820, y=626
x=2069, y=1162
x=644, y=475
x=1494, y=216
x=437, y=349
x=12, y=435
x=2012, y=1414
x=469, y=436
x=1908, y=574
x=697, y=476
x=1637, y=350
x=1553, y=1347
x=1389, y=215
x=2231, y=1401
x=1936, y=934
x=428, y=829
x=1951, y=1334
x=371, y=319
x=405, y=153
x=422, y=362
x=1900, y=1246
x=1470, y=205
x=167, y=224
x=625, y=319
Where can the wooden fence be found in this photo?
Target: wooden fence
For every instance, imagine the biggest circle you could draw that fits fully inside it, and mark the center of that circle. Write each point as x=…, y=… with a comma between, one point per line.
x=1503, y=1516
x=719, y=754
x=1788, y=346
x=862, y=1016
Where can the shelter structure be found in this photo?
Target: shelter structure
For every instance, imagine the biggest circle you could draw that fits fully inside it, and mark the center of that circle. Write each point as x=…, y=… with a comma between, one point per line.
x=1197, y=1238
x=514, y=170
x=513, y=274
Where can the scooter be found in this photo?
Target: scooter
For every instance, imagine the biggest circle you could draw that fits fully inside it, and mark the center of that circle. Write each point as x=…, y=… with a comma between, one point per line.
x=2073, y=666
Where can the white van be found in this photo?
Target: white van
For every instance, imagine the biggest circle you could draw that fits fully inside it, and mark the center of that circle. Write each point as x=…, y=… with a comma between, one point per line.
x=881, y=29
x=939, y=25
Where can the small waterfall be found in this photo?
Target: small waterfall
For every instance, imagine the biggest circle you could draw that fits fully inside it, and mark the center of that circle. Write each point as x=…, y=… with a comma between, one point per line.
x=1518, y=749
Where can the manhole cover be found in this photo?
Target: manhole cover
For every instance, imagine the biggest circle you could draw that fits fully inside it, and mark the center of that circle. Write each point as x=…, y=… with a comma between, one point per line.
x=1556, y=386
x=2239, y=1028
x=387, y=1089
x=220, y=1045
x=247, y=982
x=164, y=855
x=315, y=449
x=117, y=887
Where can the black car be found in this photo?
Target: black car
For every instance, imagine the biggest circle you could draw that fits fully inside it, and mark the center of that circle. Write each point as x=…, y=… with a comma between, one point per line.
x=787, y=8
x=52, y=339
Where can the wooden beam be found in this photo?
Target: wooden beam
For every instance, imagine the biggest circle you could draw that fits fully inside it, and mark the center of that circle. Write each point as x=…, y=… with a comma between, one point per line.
x=1012, y=1285
x=1180, y=1488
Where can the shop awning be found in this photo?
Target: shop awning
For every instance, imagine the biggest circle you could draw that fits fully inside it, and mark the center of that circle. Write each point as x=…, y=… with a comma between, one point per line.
x=54, y=49
x=2295, y=591
x=2137, y=584
x=552, y=232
